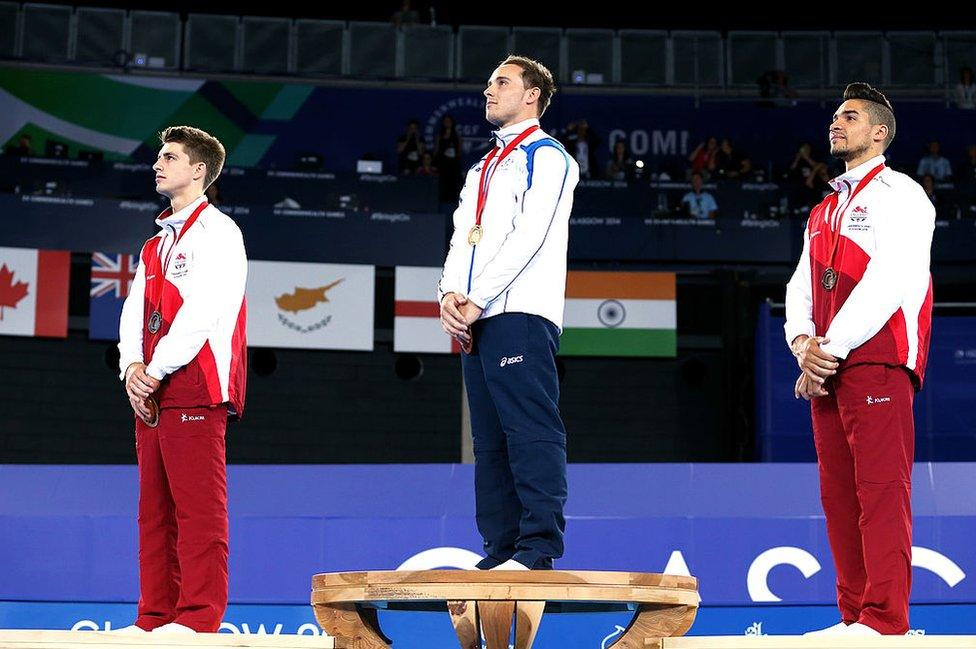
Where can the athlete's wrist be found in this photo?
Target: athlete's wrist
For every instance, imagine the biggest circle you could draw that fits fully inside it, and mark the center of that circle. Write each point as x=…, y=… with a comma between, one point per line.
x=797, y=343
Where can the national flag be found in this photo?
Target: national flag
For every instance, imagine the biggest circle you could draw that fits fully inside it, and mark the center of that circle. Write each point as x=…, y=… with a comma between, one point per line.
x=111, y=281
x=306, y=305
x=417, y=315
x=34, y=292
x=619, y=314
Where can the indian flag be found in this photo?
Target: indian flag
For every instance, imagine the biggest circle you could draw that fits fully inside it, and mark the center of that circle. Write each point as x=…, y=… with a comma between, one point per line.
x=619, y=314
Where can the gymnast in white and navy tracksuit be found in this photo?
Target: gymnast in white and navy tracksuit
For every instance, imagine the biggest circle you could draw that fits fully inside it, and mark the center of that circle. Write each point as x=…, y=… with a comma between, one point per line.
x=514, y=269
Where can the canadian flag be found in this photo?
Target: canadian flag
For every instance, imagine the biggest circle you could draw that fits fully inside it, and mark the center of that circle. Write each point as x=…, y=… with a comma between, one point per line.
x=34, y=292
x=417, y=315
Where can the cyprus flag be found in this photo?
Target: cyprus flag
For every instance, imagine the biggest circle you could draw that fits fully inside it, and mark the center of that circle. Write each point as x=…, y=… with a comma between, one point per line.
x=315, y=306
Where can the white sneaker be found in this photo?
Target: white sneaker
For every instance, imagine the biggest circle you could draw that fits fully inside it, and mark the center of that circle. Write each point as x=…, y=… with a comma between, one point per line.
x=511, y=564
x=838, y=629
x=173, y=627
x=132, y=628
x=858, y=629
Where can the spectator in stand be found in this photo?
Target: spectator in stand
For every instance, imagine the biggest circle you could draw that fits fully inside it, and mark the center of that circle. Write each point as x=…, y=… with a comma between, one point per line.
x=699, y=203
x=620, y=165
x=581, y=144
x=928, y=184
x=24, y=148
x=808, y=179
x=426, y=167
x=702, y=159
x=935, y=164
x=808, y=172
x=410, y=148
x=447, y=159
x=967, y=173
x=774, y=87
x=405, y=15
x=730, y=162
x=966, y=90
x=943, y=204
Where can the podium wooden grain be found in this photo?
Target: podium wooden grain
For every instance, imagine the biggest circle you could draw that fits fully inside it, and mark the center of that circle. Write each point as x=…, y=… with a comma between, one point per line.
x=486, y=604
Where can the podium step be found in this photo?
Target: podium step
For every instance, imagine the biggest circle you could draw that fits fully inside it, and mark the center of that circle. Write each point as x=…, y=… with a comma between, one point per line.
x=92, y=639
x=810, y=642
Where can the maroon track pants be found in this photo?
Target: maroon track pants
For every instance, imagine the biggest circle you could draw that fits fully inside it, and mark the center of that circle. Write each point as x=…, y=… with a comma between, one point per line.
x=183, y=519
x=865, y=439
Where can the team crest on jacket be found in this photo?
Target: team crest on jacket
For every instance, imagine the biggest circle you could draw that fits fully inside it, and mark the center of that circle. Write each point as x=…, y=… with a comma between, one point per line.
x=181, y=265
x=859, y=214
x=858, y=220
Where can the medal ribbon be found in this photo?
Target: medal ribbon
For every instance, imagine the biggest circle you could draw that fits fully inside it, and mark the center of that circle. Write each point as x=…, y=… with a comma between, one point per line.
x=835, y=233
x=155, y=285
x=485, y=180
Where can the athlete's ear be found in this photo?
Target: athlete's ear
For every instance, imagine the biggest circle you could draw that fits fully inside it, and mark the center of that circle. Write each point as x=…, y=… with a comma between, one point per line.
x=881, y=132
x=200, y=171
x=532, y=95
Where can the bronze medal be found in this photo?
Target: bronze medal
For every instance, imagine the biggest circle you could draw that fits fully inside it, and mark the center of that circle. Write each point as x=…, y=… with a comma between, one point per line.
x=474, y=235
x=155, y=322
x=829, y=279
x=153, y=407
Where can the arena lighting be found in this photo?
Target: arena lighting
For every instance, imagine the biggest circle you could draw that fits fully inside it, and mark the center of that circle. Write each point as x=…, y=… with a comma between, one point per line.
x=639, y=164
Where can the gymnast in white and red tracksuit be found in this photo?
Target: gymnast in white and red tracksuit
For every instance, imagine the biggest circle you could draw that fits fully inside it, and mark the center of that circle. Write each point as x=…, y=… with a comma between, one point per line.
x=182, y=342
x=858, y=319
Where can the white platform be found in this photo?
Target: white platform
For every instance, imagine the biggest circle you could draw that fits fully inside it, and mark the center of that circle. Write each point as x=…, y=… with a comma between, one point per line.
x=812, y=642
x=92, y=639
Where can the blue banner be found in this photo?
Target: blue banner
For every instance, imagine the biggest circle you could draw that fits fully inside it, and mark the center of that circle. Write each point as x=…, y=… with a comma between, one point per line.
x=271, y=233
x=945, y=411
x=751, y=533
x=661, y=130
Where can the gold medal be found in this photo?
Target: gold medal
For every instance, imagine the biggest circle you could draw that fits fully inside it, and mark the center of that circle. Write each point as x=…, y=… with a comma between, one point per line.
x=474, y=235
x=829, y=279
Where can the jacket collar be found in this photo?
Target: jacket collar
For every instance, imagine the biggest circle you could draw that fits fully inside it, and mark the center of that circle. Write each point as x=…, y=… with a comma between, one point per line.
x=505, y=135
x=177, y=219
x=853, y=176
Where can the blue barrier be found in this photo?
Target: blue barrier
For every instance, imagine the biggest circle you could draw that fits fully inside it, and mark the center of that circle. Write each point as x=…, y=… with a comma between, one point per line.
x=238, y=185
x=945, y=411
x=749, y=532
x=337, y=236
x=389, y=238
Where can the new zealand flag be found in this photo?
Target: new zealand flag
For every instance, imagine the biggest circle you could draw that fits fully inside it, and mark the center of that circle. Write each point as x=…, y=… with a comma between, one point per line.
x=111, y=280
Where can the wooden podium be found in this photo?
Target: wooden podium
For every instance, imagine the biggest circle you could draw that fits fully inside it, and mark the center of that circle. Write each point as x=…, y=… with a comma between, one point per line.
x=484, y=604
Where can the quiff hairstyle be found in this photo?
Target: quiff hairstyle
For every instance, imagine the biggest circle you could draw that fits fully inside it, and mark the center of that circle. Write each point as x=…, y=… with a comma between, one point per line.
x=535, y=75
x=200, y=146
x=877, y=106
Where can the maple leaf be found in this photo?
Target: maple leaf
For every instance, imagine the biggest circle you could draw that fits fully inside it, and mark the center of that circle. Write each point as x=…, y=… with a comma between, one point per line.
x=10, y=293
